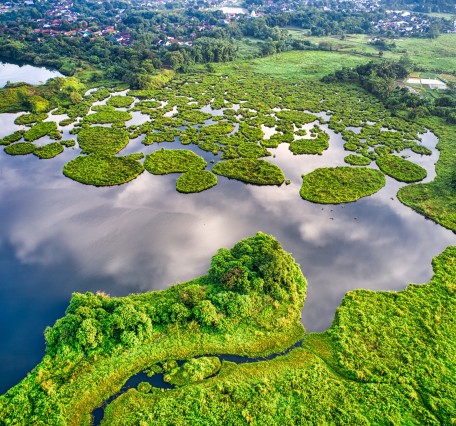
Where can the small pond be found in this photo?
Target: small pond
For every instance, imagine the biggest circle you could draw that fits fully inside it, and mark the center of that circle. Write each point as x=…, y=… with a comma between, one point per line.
x=25, y=74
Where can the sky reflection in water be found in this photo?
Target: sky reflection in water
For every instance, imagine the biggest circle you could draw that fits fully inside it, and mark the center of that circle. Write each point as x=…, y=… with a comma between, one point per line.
x=58, y=236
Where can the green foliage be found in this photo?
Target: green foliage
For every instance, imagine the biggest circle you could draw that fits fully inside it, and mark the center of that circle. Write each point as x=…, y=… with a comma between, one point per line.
x=21, y=148
x=252, y=150
x=164, y=161
x=103, y=140
x=400, y=169
x=120, y=101
x=310, y=146
x=194, y=370
x=102, y=170
x=341, y=184
x=107, y=116
x=357, y=160
x=44, y=128
x=48, y=151
x=249, y=170
x=195, y=181
x=30, y=118
x=68, y=143
x=14, y=137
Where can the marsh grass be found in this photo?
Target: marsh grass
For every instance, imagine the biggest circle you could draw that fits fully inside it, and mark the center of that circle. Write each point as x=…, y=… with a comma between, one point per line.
x=337, y=185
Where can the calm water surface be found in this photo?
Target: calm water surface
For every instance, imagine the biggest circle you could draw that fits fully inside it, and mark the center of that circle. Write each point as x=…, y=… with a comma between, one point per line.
x=25, y=73
x=58, y=236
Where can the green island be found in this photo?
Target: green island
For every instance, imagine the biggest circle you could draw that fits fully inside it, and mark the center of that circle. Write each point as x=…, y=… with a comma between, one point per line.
x=249, y=170
x=21, y=148
x=400, y=169
x=167, y=161
x=195, y=181
x=335, y=185
x=104, y=140
x=357, y=160
x=49, y=150
x=102, y=169
x=375, y=359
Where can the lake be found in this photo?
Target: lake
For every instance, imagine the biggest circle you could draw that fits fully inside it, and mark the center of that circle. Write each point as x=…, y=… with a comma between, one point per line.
x=25, y=73
x=58, y=236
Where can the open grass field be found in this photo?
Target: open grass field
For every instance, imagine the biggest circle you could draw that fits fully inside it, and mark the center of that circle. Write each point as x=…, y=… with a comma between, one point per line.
x=429, y=54
x=298, y=64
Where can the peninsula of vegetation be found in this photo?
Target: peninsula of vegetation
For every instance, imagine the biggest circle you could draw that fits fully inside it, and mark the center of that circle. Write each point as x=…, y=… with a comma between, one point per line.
x=388, y=356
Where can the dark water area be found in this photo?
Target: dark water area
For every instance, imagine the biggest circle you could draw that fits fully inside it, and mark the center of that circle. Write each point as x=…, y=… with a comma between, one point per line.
x=22, y=73
x=58, y=236
x=157, y=380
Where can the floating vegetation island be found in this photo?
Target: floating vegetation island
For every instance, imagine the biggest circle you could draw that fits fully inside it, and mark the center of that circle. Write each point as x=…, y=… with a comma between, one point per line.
x=372, y=365
x=239, y=119
x=102, y=169
x=341, y=184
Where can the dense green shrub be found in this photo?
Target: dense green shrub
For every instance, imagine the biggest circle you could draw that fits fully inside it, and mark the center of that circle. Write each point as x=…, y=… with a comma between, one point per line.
x=103, y=140
x=30, y=118
x=106, y=117
x=120, y=101
x=102, y=170
x=14, y=137
x=21, y=148
x=341, y=184
x=357, y=160
x=249, y=170
x=44, y=128
x=400, y=169
x=195, y=181
x=164, y=161
x=50, y=150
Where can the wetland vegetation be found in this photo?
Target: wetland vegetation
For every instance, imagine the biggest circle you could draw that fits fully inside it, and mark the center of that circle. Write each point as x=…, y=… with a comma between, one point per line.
x=374, y=359
x=341, y=184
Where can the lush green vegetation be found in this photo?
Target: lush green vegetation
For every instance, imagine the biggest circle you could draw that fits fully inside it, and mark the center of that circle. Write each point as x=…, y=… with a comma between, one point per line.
x=388, y=357
x=44, y=128
x=30, y=118
x=107, y=116
x=15, y=137
x=194, y=370
x=120, y=101
x=357, y=160
x=249, y=303
x=50, y=150
x=249, y=170
x=315, y=145
x=341, y=184
x=167, y=161
x=21, y=148
x=102, y=170
x=437, y=199
x=401, y=169
x=103, y=140
x=195, y=181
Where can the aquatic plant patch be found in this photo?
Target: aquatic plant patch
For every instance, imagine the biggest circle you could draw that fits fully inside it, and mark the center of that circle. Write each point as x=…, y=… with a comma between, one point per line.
x=401, y=169
x=44, y=128
x=249, y=170
x=14, y=137
x=337, y=185
x=30, y=118
x=106, y=117
x=195, y=181
x=20, y=148
x=102, y=169
x=167, y=161
x=48, y=151
x=103, y=140
x=120, y=101
x=310, y=146
x=357, y=160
